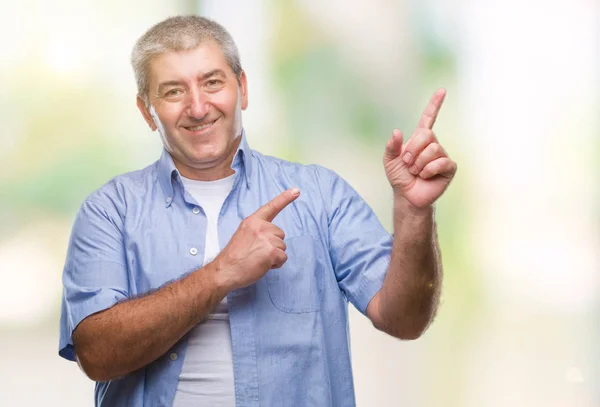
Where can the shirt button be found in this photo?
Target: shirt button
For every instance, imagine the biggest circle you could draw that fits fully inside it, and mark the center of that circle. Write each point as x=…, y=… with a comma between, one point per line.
x=196, y=210
x=169, y=199
x=173, y=356
x=193, y=251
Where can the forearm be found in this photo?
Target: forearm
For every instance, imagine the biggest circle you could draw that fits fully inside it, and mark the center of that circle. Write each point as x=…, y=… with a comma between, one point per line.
x=134, y=333
x=411, y=289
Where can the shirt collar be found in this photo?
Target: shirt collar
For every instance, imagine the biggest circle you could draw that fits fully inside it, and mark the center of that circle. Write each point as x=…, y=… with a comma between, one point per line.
x=242, y=161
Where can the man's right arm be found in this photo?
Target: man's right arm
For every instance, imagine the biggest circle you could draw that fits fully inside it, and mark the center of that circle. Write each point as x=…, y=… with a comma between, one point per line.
x=134, y=333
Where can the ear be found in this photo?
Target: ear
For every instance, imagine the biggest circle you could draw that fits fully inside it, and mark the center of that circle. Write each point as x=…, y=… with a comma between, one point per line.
x=145, y=112
x=244, y=90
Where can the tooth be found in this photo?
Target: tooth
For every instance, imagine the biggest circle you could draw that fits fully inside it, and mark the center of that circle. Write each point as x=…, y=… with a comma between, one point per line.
x=203, y=126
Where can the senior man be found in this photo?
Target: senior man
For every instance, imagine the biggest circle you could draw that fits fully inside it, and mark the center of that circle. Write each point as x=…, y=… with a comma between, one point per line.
x=218, y=276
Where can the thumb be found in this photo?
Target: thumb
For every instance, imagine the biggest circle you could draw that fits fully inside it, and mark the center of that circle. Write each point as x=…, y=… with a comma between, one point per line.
x=393, y=147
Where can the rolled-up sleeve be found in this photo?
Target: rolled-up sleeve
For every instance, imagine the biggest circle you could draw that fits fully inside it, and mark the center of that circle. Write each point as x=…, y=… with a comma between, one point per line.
x=95, y=275
x=359, y=246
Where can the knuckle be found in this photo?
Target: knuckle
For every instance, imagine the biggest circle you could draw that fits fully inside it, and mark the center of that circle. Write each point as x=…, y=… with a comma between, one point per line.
x=430, y=137
x=423, y=137
x=281, y=232
x=248, y=223
x=272, y=251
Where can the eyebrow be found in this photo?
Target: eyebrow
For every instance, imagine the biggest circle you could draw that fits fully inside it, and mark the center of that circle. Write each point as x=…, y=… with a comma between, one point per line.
x=214, y=72
x=167, y=84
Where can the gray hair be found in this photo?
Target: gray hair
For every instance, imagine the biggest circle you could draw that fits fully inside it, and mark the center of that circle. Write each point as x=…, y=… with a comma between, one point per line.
x=180, y=33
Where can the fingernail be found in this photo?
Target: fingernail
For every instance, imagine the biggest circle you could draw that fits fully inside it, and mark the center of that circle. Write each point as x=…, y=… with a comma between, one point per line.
x=407, y=158
x=413, y=169
x=295, y=191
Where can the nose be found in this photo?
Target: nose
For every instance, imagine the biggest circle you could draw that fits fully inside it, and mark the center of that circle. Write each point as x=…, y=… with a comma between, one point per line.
x=198, y=105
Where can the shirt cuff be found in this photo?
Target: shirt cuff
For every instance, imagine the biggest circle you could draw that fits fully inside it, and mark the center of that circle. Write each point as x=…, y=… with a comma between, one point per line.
x=80, y=308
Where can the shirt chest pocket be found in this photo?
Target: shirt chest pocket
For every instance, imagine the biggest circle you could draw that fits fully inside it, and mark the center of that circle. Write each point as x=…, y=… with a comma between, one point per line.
x=295, y=287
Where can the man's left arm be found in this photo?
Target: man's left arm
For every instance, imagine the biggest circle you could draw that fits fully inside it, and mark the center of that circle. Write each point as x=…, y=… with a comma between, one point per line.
x=419, y=172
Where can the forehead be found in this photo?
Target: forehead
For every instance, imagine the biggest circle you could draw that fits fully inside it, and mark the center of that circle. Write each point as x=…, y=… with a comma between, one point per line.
x=187, y=65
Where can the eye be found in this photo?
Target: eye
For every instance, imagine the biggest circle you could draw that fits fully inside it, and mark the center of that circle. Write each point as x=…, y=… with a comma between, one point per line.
x=213, y=83
x=173, y=92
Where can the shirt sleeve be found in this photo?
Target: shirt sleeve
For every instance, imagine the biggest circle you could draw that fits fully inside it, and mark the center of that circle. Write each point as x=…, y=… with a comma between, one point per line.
x=359, y=246
x=95, y=274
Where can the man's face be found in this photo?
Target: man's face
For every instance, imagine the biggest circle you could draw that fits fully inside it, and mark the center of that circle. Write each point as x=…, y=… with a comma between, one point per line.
x=196, y=104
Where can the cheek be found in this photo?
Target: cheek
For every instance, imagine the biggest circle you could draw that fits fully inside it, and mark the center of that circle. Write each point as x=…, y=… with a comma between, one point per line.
x=171, y=116
x=226, y=102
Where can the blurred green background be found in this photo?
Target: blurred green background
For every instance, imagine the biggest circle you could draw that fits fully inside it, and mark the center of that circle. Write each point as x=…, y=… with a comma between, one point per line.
x=328, y=81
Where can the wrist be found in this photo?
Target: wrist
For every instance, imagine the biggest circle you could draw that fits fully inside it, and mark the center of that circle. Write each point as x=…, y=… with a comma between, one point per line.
x=406, y=208
x=221, y=280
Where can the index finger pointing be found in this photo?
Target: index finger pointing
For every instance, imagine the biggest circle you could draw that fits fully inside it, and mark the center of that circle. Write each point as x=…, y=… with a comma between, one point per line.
x=272, y=208
x=431, y=111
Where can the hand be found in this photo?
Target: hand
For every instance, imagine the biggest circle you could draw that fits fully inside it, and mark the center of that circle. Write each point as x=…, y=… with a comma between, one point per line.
x=256, y=246
x=419, y=171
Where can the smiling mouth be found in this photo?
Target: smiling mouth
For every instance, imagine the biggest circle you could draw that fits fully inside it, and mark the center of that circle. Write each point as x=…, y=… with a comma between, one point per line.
x=201, y=127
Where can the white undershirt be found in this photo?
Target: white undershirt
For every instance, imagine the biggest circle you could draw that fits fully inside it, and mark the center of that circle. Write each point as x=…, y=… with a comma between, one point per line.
x=206, y=377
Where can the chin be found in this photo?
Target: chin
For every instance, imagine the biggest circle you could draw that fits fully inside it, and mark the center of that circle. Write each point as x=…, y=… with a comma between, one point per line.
x=207, y=155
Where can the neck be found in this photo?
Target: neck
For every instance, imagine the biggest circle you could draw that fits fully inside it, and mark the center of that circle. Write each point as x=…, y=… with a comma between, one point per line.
x=214, y=170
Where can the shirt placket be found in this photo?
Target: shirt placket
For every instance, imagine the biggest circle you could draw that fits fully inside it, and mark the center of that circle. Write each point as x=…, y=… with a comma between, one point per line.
x=241, y=309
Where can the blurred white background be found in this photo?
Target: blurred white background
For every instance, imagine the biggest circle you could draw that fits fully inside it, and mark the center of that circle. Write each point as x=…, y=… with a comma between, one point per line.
x=518, y=324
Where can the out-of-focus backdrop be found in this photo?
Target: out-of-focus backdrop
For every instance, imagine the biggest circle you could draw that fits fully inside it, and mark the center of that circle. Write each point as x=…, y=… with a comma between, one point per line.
x=328, y=81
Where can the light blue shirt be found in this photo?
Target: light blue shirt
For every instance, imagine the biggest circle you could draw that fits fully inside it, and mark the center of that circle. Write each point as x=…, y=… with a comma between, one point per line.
x=289, y=330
